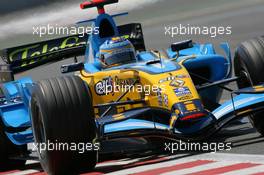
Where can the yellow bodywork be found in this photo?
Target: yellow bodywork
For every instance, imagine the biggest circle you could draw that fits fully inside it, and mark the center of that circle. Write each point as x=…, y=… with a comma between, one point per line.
x=163, y=98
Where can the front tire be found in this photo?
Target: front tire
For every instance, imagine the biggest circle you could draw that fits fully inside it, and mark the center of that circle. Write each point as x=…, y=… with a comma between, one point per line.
x=62, y=113
x=249, y=65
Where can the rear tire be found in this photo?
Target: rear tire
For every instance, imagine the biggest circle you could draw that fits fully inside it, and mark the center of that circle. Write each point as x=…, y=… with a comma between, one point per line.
x=249, y=64
x=62, y=113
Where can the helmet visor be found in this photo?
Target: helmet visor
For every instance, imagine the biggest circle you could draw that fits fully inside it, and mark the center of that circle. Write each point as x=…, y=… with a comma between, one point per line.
x=120, y=57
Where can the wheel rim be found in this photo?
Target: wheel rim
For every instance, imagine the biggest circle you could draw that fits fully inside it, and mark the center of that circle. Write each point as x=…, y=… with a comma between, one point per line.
x=245, y=79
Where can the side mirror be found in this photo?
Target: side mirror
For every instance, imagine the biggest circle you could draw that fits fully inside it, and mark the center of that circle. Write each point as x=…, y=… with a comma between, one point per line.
x=176, y=47
x=72, y=67
x=6, y=74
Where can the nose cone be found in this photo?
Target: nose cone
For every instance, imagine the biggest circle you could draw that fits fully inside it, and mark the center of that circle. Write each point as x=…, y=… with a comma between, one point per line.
x=198, y=127
x=193, y=120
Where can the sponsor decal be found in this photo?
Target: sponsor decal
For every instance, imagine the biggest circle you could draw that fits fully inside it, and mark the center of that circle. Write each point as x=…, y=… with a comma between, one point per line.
x=24, y=54
x=175, y=80
x=166, y=100
x=182, y=76
x=177, y=83
x=182, y=91
x=124, y=82
x=159, y=95
x=190, y=107
x=167, y=79
x=187, y=97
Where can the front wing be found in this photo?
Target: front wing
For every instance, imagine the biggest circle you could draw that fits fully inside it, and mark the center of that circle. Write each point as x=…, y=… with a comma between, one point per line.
x=131, y=124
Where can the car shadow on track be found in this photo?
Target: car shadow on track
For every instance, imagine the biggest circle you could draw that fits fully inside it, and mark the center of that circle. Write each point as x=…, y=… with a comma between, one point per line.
x=238, y=135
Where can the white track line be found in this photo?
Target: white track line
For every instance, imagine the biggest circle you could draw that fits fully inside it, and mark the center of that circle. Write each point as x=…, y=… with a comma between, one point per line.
x=118, y=162
x=150, y=167
x=247, y=158
x=31, y=162
x=26, y=172
x=201, y=168
x=220, y=160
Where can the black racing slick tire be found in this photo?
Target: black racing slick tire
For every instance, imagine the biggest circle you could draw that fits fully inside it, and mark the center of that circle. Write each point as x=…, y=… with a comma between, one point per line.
x=249, y=65
x=63, y=125
x=9, y=150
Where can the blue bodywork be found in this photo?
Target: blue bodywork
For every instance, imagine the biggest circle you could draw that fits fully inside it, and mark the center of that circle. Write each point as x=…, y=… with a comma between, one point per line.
x=14, y=106
x=14, y=109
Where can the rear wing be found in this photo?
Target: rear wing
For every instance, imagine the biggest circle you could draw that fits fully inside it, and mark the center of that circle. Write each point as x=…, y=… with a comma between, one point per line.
x=25, y=57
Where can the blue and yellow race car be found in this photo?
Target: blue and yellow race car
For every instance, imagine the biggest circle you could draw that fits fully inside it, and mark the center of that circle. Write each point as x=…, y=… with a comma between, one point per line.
x=121, y=91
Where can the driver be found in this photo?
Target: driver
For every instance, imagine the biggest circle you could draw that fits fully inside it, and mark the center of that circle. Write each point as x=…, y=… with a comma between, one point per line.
x=116, y=51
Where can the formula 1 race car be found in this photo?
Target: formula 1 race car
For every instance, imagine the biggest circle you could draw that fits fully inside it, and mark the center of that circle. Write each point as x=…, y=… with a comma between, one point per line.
x=119, y=93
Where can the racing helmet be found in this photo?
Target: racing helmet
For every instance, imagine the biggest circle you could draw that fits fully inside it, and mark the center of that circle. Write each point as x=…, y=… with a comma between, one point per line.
x=117, y=51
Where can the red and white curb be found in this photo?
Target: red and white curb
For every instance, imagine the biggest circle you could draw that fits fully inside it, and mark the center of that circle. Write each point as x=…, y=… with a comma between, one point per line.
x=202, y=164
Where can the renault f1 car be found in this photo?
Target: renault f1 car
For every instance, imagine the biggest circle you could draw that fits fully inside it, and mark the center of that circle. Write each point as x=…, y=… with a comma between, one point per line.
x=188, y=80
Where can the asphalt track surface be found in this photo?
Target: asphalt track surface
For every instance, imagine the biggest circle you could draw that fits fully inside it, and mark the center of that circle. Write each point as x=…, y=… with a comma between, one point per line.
x=246, y=19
